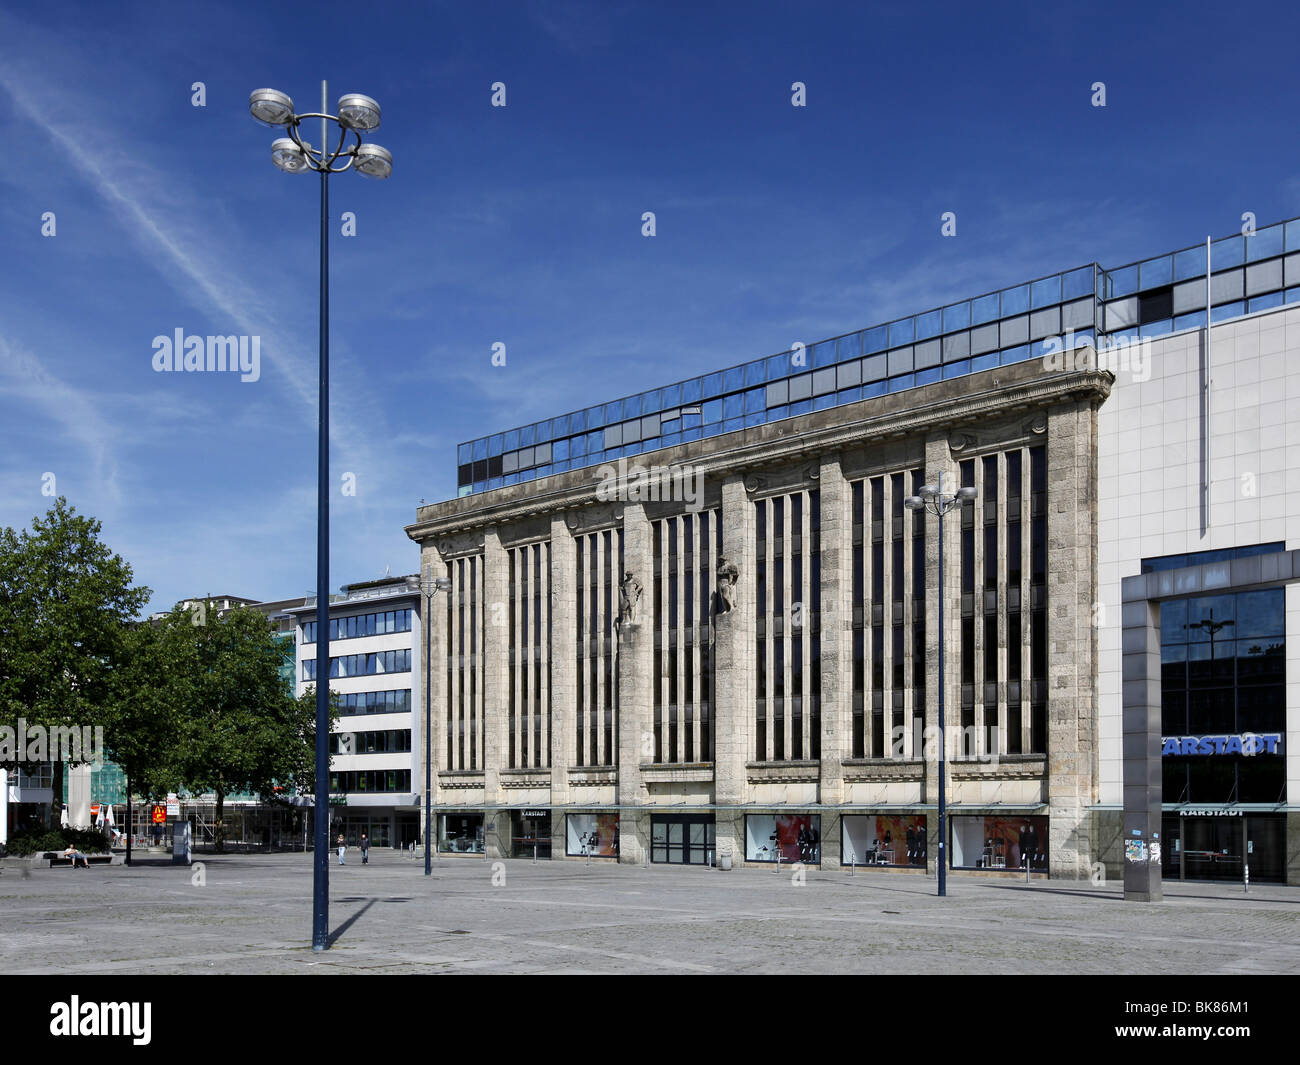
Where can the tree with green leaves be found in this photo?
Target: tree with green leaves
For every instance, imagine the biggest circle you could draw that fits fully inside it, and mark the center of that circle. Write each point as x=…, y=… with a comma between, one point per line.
x=66, y=603
x=150, y=689
x=242, y=730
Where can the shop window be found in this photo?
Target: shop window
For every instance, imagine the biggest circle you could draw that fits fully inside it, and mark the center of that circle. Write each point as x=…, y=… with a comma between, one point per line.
x=999, y=842
x=795, y=837
x=460, y=833
x=883, y=839
x=594, y=834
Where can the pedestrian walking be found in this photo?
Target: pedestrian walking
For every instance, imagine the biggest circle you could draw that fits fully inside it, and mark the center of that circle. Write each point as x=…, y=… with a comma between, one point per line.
x=365, y=849
x=342, y=848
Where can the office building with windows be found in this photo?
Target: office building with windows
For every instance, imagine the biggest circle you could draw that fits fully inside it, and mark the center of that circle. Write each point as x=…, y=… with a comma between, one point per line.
x=699, y=624
x=375, y=665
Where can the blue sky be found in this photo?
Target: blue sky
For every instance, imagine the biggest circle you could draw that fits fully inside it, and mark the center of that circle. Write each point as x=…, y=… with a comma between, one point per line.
x=522, y=224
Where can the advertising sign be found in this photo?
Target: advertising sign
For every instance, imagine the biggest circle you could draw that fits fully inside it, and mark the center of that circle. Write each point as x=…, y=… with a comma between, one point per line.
x=1246, y=743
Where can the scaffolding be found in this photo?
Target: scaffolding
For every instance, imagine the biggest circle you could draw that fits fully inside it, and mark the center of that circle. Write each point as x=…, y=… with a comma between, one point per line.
x=254, y=827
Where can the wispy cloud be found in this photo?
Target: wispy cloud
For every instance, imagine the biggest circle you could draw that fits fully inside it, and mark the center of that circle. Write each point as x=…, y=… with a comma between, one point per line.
x=219, y=290
x=578, y=27
x=73, y=410
x=224, y=280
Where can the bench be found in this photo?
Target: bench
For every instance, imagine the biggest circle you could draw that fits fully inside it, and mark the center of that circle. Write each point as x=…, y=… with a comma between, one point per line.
x=56, y=859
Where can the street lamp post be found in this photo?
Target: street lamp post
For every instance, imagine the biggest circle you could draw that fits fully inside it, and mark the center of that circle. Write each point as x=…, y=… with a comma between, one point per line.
x=431, y=586
x=356, y=115
x=933, y=499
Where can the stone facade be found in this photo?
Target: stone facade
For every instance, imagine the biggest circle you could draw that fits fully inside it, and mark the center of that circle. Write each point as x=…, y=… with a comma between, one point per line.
x=696, y=724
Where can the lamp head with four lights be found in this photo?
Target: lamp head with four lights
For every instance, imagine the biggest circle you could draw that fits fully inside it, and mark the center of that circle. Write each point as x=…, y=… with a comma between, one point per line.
x=357, y=113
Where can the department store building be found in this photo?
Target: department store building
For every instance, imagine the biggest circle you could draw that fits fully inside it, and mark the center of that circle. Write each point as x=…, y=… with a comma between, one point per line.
x=699, y=625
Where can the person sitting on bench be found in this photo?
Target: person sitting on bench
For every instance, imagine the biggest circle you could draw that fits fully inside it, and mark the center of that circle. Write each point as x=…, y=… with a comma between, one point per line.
x=75, y=854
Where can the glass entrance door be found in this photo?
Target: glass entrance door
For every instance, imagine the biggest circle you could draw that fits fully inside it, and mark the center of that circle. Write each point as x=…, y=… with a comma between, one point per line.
x=530, y=834
x=1266, y=847
x=682, y=839
x=1211, y=848
x=1171, y=858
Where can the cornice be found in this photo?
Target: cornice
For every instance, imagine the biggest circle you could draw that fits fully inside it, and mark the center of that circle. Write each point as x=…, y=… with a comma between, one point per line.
x=802, y=441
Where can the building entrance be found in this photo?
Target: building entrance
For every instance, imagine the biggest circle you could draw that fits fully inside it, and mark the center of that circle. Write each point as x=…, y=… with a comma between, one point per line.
x=682, y=839
x=530, y=834
x=1219, y=847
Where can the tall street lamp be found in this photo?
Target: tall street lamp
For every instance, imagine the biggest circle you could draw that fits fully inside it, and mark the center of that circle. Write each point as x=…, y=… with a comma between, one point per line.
x=430, y=586
x=356, y=115
x=933, y=499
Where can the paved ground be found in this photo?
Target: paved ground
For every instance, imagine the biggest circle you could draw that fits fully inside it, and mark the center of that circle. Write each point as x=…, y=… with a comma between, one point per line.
x=253, y=914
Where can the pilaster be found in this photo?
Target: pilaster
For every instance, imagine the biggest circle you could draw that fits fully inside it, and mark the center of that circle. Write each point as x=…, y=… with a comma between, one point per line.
x=429, y=690
x=564, y=688
x=496, y=692
x=1071, y=636
x=836, y=542
x=734, y=675
x=938, y=459
x=636, y=679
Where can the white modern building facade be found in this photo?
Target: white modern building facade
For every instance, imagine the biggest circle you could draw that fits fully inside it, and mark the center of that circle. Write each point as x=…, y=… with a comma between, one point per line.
x=20, y=787
x=1200, y=462
x=375, y=669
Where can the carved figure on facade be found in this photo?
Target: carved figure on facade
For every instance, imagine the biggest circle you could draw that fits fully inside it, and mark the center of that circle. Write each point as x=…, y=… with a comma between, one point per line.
x=728, y=576
x=629, y=598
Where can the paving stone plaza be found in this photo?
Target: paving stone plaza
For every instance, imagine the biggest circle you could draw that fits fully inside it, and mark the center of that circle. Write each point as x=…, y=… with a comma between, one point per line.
x=245, y=915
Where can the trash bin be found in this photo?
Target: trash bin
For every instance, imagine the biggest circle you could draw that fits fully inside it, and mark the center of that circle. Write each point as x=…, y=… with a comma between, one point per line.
x=724, y=862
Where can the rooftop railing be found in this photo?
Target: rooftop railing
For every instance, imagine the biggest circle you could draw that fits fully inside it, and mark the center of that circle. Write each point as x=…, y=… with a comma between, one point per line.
x=1250, y=272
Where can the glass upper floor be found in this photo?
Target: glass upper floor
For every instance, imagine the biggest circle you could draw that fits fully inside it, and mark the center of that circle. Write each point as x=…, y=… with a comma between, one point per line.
x=1249, y=272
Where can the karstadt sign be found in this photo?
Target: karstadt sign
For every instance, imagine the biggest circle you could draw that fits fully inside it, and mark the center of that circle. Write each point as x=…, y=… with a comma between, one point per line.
x=1245, y=743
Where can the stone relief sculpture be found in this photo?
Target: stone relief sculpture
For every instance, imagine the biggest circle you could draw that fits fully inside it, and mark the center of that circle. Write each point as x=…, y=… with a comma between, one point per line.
x=728, y=575
x=629, y=597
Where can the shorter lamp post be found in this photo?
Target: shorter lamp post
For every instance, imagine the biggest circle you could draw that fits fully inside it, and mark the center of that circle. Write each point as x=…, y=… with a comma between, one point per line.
x=430, y=586
x=933, y=499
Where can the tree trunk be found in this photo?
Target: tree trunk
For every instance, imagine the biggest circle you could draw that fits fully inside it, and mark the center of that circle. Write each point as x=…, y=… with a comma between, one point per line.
x=219, y=828
x=56, y=795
